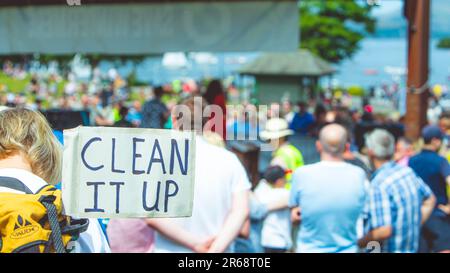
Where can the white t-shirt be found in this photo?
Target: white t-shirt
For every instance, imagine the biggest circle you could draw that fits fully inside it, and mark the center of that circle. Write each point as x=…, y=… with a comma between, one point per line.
x=289, y=117
x=91, y=241
x=276, y=230
x=218, y=174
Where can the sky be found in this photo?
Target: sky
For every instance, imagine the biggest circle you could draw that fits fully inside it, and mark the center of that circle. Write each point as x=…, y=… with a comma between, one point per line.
x=388, y=6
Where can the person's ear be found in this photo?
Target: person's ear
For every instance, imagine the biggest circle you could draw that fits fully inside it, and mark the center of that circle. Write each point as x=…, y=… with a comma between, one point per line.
x=347, y=146
x=174, y=122
x=438, y=143
x=319, y=146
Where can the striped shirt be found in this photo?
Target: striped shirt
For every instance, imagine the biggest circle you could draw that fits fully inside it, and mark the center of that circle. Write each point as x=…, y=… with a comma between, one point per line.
x=395, y=199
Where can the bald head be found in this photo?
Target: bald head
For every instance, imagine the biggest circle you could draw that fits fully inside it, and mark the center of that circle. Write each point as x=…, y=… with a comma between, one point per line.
x=333, y=139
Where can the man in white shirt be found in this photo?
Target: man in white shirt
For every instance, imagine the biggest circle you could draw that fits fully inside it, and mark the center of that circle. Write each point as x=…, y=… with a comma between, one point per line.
x=220, y=198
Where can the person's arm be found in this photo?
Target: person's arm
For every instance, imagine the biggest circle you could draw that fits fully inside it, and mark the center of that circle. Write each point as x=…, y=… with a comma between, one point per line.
x=446, y=208
x=180, y=236
x=296, y=216
x=427, y=208
x=445, y=171
x=258, y=210
x=378, y=215
x=245, y=231
x=100, y=120
x=294, y=199
x=378, y=234
x=233, y=223
x=279, y=204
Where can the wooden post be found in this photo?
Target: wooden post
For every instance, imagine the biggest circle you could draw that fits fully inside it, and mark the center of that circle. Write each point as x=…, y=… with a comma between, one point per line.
x=418, y=14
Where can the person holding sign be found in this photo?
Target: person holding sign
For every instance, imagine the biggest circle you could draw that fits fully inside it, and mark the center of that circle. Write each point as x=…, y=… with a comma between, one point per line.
x=30, y=159
x=221, y=194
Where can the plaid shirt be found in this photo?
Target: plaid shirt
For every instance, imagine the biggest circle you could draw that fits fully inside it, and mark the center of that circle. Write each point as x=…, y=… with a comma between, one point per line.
x=395, y=199
x=153, y=114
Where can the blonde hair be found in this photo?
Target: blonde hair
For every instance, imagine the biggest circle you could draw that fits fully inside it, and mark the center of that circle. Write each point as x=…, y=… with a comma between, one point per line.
x=214, y=138
x=27, y=132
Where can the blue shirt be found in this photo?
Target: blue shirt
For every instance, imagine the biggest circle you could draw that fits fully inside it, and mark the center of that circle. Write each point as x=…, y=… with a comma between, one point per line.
x=331, y=196
x=242, y=130
x=153, y=114
x=395, y=198
x=301, y=122
x=134, y=116
x=433, y=169
x=59, y=136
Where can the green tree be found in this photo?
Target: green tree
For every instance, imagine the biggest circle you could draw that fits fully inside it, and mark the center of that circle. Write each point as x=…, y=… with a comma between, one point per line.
x=444, y=43
x=333, y=29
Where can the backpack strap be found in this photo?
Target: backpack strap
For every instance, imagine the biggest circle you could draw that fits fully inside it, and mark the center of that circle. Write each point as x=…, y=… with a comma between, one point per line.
x=75, y=226
x=52, y=213
x=72, y=227
x=14, y=184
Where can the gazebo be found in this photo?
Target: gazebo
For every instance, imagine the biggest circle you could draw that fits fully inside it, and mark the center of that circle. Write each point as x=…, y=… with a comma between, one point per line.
x=286, y=75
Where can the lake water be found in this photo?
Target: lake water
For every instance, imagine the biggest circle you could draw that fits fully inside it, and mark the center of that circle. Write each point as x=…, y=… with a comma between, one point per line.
x=366, y=68
x=377, y=54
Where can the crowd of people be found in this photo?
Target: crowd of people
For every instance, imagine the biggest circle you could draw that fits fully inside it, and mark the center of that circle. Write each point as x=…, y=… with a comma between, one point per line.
x=373, y=188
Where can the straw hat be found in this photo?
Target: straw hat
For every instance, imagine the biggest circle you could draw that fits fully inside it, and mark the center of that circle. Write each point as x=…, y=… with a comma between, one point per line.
x=276, y=128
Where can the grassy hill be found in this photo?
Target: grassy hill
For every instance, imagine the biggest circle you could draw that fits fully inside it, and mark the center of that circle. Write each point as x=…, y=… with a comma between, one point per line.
x=14, y=85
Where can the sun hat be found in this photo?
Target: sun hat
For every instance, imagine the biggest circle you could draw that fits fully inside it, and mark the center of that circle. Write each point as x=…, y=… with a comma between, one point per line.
x=276, y=128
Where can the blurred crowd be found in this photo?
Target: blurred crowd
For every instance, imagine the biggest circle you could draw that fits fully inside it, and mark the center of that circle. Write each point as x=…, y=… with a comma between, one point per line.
x=372, y=189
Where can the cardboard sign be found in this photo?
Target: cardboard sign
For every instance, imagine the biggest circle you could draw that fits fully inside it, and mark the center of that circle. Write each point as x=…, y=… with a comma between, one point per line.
x=123, y=172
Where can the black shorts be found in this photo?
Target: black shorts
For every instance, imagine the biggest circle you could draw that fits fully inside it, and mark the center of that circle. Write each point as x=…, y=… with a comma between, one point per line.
x=435, y=234
x=274, y=250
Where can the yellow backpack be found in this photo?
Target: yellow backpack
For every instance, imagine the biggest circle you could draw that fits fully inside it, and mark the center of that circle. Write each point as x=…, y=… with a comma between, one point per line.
x=34, y=223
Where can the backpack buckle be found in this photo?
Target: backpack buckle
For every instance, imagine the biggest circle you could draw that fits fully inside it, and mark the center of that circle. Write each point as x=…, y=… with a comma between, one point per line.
x=47, y=199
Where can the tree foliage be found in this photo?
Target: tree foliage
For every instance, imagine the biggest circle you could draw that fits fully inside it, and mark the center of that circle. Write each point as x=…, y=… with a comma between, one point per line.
x=444, y=43
x=334, y=29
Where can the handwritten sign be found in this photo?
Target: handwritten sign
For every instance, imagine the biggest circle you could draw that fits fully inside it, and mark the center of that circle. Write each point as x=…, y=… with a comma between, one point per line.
x=122, y=172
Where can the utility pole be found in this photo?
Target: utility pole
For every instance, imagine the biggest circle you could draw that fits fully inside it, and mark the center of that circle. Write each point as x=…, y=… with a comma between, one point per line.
x=418, y=14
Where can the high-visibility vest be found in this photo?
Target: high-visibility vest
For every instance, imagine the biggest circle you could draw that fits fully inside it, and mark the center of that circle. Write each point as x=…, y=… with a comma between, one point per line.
x=292, y=158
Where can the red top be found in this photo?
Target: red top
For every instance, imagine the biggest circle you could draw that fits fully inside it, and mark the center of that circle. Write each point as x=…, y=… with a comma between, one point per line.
x=220, y=101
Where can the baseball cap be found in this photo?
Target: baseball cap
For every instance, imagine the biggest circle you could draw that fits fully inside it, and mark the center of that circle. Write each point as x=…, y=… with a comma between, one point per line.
x=432, y=131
